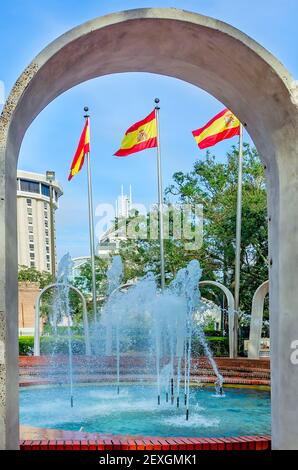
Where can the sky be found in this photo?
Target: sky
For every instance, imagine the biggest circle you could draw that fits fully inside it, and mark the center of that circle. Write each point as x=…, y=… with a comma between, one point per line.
x=119, y=100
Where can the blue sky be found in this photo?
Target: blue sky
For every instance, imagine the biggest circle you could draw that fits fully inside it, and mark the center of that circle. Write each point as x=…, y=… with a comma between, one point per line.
x=117, y=101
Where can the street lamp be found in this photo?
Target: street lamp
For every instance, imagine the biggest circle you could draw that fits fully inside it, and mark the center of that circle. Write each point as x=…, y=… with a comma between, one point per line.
x=50, y=177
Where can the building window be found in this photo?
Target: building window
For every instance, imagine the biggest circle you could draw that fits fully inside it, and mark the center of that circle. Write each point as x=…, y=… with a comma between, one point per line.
x=32, y=256
x=31, y=239
x=46, y=232
x=29, y=210
x=47, y=249
x=29, y=186
x=32, y=264
x=48, y=267
x=29, y=202
x=31, y=247
x=30, y=220
x=46, y=223
x=48, y=257
x=30, y=229
x=45, y=190
x=45, y=215
x=47, y=241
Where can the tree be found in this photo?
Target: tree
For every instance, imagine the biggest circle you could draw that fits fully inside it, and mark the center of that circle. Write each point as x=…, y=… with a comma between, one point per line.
x=214, y=185
x=43, y=278
x=141, y=255
x=84, y=283
x=33, y=275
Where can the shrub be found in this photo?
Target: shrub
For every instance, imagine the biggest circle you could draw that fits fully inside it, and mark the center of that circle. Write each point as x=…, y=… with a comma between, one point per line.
x=219, y=346
x=212, y=332
x=50, y=345
x=26, y=345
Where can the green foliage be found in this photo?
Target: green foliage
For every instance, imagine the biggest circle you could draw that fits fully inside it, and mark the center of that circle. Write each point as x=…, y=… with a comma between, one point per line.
x=59, y=345
x=50, y=345
x=44, y=278
x=84, y=283
x=33, y=275
x=219, y=346
x=141, y=255
x=26, y=345
x=212, y=332
x=214, y=185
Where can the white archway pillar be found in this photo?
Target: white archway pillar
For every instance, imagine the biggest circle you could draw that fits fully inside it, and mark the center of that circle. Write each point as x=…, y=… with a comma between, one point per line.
x=256, y=320
x=236, y=70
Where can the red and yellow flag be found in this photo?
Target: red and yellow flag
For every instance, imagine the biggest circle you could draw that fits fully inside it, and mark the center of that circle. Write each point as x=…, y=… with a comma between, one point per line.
x=140, y=136
x=223, y=126
x=83, y=148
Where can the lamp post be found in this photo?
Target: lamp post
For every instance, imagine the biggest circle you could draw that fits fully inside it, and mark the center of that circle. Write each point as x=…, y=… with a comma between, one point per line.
x=50, y=177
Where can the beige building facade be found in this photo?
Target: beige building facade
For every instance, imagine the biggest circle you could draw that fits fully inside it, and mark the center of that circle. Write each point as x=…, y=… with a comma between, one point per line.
x=36, y=242
x=28, y=292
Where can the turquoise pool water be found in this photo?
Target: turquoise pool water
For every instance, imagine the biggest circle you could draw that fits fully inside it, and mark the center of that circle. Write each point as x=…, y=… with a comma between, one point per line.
x=134, y=411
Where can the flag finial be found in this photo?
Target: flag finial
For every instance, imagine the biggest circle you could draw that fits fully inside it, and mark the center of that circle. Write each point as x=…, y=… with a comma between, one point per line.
x=156, y=102
x=86, y=109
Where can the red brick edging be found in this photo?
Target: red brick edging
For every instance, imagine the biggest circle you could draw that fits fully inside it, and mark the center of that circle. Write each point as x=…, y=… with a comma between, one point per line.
x=157, y=443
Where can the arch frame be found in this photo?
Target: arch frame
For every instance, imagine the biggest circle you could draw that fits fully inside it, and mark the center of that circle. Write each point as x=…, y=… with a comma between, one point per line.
x=256, y=320
x=251, y=82
x=232, y=315
x=37, y=317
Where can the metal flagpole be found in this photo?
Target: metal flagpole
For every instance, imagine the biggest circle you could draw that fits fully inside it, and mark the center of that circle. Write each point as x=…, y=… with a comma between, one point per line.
x=91, y=226
x=160, y=200
x=238, y=237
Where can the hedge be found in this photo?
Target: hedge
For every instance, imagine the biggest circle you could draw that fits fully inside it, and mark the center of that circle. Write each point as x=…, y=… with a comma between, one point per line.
x=26, y=345
x=48, y=344
x=219, y=346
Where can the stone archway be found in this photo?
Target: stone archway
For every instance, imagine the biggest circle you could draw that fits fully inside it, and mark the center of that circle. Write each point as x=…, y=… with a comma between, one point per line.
x=230, y=66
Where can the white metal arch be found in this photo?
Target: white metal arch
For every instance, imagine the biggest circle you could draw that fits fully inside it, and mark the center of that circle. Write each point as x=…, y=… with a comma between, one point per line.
x=256, y=320
x=233, y=319
x=37, y=318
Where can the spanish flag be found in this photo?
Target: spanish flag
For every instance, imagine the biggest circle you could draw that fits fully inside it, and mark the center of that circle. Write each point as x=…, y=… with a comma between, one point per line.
x=223, y=126
x=83, y=148
x=140, y=136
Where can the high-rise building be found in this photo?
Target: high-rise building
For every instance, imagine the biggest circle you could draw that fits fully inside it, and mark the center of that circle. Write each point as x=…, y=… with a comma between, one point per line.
x=37, y=201
x=110, y=240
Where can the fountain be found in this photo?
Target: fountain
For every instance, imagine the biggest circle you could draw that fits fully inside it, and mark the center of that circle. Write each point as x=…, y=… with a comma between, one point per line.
x=142, y=357
x=60, y=312
x=170, y=316
x=165, y=317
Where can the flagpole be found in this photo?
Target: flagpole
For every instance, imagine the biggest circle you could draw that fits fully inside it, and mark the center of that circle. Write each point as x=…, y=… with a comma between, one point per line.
x=91, y=226
x=160, y=199
x=238, y=239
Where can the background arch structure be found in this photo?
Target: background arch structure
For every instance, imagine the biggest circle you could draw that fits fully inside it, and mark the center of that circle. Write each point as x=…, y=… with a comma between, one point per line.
x=37, y=317
x=230, y=66
x=232, y=315
x=256, y=320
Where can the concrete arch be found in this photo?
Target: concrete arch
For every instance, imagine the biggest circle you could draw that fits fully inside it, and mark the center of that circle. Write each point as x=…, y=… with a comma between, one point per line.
x=233, y=337
x=256, y=320
x=233, y=68
x=37, y=318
